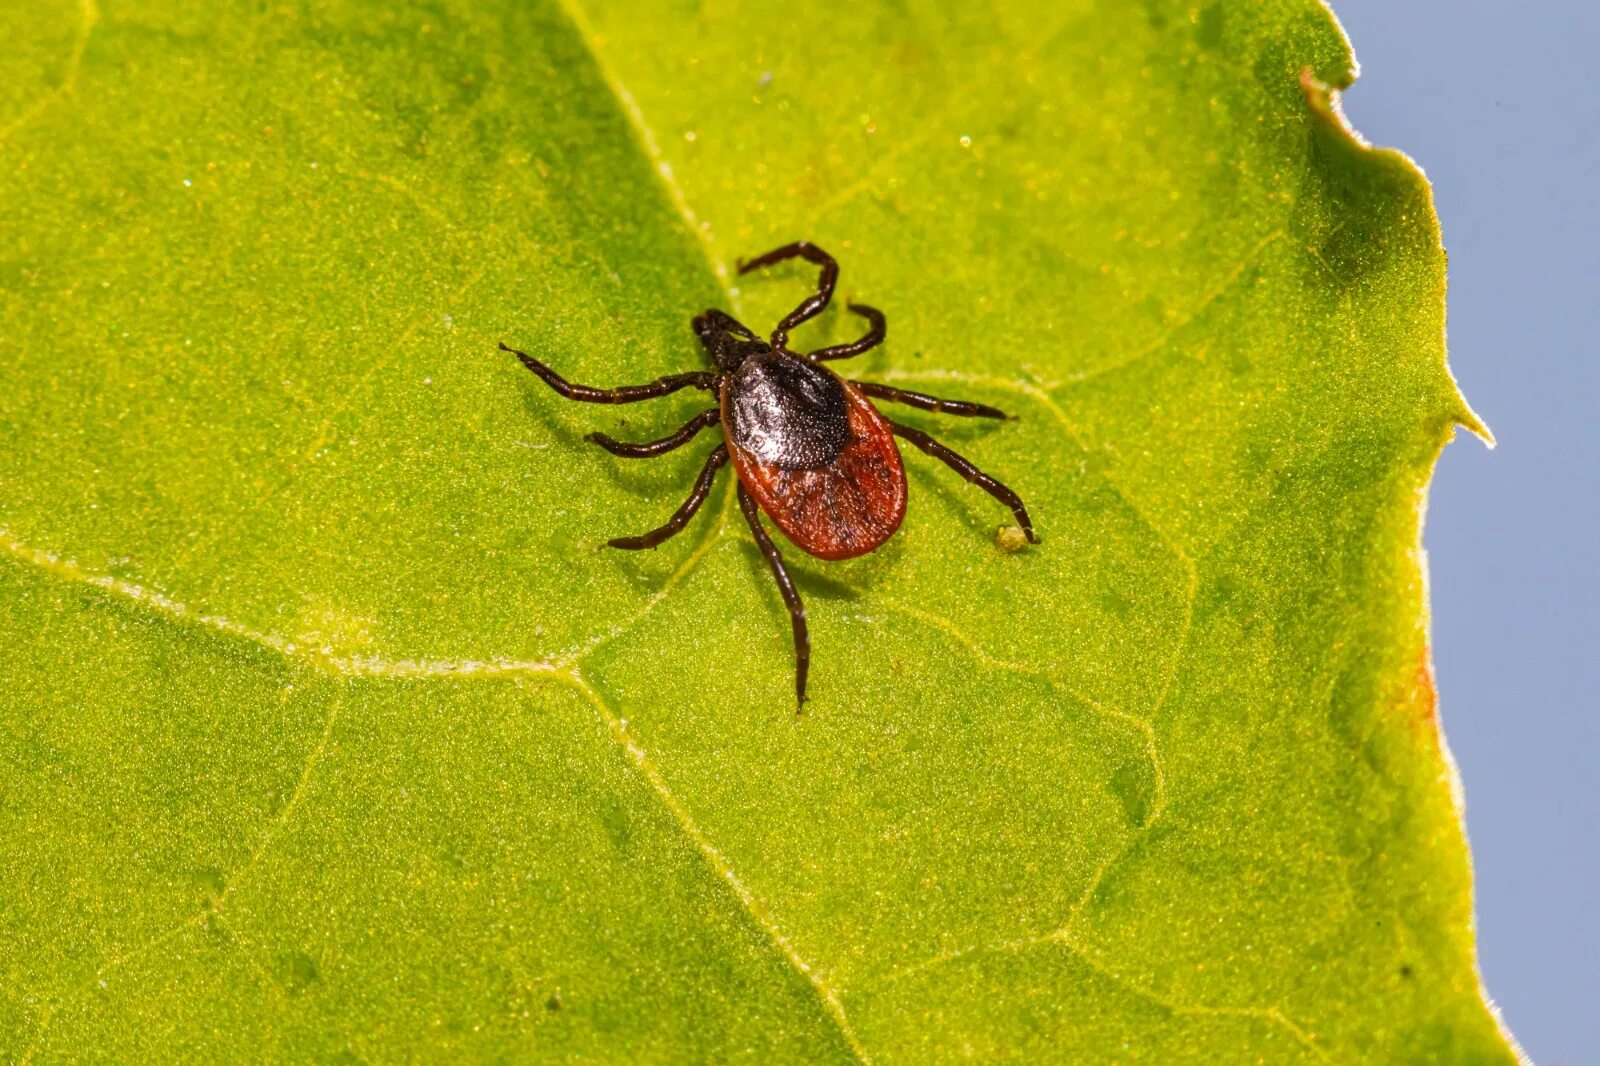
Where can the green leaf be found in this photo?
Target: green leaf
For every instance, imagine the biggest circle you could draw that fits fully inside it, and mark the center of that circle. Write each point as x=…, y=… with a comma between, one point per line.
x=331, y=731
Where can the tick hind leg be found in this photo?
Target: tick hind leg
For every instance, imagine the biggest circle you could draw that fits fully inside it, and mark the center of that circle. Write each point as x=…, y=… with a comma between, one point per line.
x=812, y=305
x=791, y=598
x=680, y=517
x=626, y=394
x=877, y=329
x=964, y=467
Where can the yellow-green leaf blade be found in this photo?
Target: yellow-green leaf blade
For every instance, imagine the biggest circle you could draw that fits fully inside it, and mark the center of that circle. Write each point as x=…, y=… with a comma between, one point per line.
x=1167, y=785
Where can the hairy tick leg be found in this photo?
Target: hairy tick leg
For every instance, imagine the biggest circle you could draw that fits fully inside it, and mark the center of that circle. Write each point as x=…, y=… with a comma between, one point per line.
x=791, y=598
x=812, y=305
x=877, y=329
x=698, y=379
x=685, y=511
x=929, y=403
x=651, y=449
x=966, y=469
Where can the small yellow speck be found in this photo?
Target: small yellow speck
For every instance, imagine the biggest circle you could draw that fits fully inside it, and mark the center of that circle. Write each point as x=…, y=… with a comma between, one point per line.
x=1010, y=539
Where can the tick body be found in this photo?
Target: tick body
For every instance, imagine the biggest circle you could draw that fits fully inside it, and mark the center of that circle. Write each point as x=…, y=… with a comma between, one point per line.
x=815, y=454
x=809, y=447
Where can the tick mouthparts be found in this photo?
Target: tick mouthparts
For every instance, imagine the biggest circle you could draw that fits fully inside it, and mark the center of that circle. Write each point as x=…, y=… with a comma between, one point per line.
x=706, y=326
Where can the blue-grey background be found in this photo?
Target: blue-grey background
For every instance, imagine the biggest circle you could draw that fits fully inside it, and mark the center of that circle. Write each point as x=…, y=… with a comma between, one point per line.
x=1499, y=104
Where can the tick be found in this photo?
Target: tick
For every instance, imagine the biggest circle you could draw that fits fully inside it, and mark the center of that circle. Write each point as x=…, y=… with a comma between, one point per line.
x=808, y=446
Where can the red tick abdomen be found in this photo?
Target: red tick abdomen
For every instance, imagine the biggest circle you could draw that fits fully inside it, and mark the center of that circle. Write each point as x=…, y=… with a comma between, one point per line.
x=841, y=510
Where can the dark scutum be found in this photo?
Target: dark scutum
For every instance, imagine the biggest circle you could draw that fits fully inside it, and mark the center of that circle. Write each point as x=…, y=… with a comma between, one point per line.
x=787, y=412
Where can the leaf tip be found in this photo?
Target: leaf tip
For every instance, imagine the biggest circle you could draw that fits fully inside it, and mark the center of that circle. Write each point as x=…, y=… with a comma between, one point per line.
x=1468, y=420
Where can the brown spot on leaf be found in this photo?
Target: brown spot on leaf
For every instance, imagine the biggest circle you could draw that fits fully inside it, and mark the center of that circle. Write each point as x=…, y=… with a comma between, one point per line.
x=1426, y=698
x=1411, y=696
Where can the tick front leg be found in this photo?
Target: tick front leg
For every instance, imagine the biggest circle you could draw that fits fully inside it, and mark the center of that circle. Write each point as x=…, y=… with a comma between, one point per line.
x=685, y=511
x=877, y=329
x=811, y=305
x=929, y=403
x=651, y=449
x=791, y=598
x=965, y=468
x=699, y=379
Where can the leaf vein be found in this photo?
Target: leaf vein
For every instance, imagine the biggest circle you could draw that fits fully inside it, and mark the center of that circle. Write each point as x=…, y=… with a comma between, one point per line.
x=89, y=18
x=1060, y=937
x=981, y=655
x=215, y=906
x=111, y=964
x=700, y=230
x=829, y=997
x=321, y=657
x=1168, y=541
x=1218, y=291
x=1272, y=1014
x=709, y=540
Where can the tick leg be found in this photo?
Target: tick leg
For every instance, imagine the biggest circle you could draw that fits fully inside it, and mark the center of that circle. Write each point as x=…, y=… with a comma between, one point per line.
x=965, y=468
x=791, y=598
x=685, y=511
x=651, y=449
x=698, y=379
x=811, y=305
x=929, y=403
x=876, y=330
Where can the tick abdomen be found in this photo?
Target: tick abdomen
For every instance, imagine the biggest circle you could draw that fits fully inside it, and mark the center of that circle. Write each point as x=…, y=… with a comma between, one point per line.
x=787, y=412
x=833, y=501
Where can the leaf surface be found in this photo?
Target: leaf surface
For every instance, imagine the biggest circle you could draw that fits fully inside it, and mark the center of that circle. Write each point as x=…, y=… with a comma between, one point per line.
x=331, y=731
